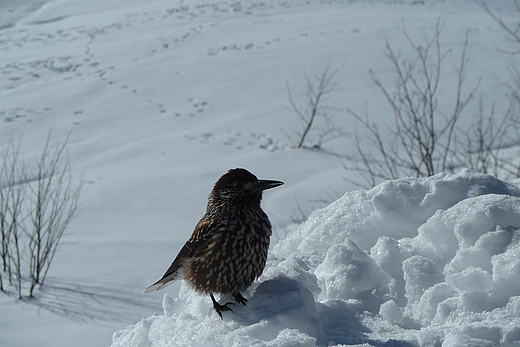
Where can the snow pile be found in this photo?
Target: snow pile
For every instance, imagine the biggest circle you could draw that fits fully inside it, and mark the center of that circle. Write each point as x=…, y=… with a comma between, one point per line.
x=411, y=262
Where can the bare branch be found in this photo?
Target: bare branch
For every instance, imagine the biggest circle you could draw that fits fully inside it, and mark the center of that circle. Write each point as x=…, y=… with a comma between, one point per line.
x=317, y=88
x=422, y=135
x=513, y=32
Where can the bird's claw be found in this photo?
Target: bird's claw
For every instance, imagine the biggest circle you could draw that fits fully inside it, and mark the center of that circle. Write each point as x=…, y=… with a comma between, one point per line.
x=240, y=299
x=219, y=308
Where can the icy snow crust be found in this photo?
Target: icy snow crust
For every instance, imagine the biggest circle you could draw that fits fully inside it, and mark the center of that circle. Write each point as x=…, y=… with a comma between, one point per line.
x=411, y=262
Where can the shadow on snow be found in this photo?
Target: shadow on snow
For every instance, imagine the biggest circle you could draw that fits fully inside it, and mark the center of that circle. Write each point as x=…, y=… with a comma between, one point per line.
x=88, y=301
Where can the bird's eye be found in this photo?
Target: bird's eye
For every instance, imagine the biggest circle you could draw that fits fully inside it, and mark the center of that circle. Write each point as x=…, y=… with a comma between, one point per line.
x=239, y=185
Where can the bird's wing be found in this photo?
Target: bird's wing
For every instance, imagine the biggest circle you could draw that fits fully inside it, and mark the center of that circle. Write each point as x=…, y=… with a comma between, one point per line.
x=197, y=239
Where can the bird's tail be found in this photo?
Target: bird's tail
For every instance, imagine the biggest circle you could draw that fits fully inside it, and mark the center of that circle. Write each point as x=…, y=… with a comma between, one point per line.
x=174, y=272
x=163, y=282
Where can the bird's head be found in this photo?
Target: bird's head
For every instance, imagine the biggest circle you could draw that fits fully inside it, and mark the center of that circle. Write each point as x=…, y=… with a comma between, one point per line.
x=239, y=186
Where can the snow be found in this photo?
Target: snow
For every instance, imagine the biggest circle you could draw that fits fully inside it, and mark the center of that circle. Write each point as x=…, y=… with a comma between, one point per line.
x=454, y=281
x=161, y=97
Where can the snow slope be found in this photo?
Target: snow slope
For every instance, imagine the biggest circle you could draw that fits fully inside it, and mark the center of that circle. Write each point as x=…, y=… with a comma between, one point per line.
x=161, y=97
x=425, y=262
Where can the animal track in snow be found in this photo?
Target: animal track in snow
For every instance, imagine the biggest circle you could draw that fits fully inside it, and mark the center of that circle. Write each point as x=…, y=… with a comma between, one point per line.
x=239, y=140
x=196, y=107
x=237, y=47
x=17, y=114
x=16, y=73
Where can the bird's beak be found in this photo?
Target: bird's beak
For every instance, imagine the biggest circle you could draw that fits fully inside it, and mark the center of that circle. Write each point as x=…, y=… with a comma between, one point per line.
x=266, y=184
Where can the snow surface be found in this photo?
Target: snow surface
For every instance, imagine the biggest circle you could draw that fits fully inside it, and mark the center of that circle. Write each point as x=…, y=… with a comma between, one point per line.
x=161, y=97
x=357, y=273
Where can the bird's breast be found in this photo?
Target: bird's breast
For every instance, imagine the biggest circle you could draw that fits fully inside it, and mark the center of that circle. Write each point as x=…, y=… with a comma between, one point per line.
x=235, y=256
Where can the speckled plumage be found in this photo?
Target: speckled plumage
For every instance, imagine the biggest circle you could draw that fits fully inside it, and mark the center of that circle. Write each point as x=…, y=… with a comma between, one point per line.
x=228, y=248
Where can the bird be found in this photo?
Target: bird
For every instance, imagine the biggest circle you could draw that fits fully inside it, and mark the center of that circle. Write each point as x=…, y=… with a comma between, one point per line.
x=227, y=251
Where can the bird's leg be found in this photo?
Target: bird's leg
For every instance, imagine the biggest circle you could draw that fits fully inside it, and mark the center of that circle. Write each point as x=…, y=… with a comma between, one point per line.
x=240, y=299
x=219, y=308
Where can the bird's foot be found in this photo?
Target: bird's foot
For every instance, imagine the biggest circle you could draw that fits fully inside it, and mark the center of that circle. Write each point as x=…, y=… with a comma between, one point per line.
x=219, y=308
x=240, y=299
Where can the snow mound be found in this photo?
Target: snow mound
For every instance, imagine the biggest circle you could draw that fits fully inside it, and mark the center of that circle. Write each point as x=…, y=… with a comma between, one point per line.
x=411, y=262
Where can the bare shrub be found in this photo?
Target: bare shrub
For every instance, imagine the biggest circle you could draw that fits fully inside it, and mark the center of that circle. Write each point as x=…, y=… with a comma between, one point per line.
x=512, y=113
x=35, y=209
x=53, y=205
x=313, y=109
x=12, y=193
x=422, y=138
x=481, y=146
x=426, y=136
